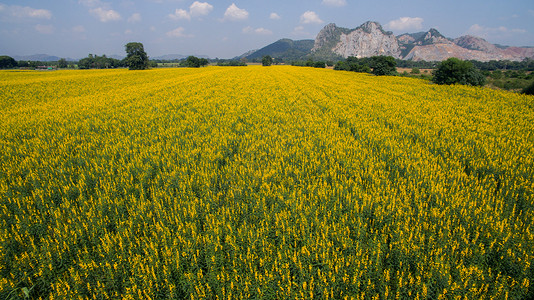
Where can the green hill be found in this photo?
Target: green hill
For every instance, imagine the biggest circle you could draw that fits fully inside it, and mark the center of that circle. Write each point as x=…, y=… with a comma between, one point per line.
x=285, y=49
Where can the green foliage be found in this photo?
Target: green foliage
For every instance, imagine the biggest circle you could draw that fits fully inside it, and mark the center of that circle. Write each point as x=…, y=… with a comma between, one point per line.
x=456, y=71
x=416, y=71
x=231, y=63
x=354, y=64
x=529, y=90
x=195, y=62
x=383, y=65
x=266, y=61
x=98, y=62
x=136, y=58
x=192, y=62
x=497, y=74
x=319, y=64
x=7, y=62
x=62, y=63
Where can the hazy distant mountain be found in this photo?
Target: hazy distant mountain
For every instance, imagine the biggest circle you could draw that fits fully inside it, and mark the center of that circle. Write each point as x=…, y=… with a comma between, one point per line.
x=39, y=57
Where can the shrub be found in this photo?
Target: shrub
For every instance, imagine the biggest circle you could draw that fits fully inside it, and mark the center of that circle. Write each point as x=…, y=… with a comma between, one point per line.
x=529, y=90
x=456, y=71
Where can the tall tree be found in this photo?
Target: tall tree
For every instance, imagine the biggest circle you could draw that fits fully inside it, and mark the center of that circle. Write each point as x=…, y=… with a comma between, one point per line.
x=136, y=57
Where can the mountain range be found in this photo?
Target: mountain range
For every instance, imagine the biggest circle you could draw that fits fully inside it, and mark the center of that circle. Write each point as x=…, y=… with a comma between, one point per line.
x=370, y=39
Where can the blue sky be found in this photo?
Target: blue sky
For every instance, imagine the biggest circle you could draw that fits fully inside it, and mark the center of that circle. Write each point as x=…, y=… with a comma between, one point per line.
x=224, y=29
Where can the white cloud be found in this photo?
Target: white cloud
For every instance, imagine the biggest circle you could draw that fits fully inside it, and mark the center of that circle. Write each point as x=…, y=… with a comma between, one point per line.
x=259, y=31
x=25, y=12
x=405, y=23
x=44, y=29
x=337, y=3
x=178, y=33
x=234, y=13
x=105, y=15
x=497, y=32
x=198, y=9
x=310, y=17
x=180, y=14
x=274, y=16
x=134, y=18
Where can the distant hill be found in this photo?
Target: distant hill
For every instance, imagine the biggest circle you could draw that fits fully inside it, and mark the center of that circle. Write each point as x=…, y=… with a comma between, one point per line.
x=285, y=48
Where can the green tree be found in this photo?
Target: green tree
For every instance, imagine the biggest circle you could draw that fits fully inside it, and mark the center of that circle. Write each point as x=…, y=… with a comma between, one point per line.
x=319, y=64
x=7, y=62
x=192, y=62
x=62, y=63
x=456, y=71
x=203, y=62
x=266, y=61
x=136, y=57
x=383, y=65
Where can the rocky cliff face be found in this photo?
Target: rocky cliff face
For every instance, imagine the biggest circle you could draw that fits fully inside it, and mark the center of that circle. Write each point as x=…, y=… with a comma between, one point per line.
x=475, y=43
x=367, y=40
x=370, y=39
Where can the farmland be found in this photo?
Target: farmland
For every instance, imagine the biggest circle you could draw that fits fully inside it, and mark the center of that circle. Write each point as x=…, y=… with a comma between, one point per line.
x=264, y=183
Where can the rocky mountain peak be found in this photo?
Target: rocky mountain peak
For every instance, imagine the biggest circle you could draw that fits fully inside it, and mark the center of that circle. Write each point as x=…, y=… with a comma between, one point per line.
x=431, y=37
x=475, y=43
x=326, y=34
x=368, y=39
x=371, y=26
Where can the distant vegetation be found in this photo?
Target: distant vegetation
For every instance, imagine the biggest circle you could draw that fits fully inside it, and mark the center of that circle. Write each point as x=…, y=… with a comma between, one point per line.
x=93, y=61
x=456, y=71
x=507, y=75
x=231, y=63
x=378, y=65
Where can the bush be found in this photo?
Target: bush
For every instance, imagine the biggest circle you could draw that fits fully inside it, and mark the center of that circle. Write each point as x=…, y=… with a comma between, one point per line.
x=384, y=65
x=456, y=71
x=319, y=64
x=266, y=61
x=529, y=90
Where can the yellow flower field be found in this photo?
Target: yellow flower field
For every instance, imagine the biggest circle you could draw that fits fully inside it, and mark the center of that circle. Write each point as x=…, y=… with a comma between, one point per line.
x=262, y=183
